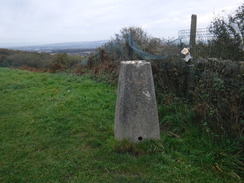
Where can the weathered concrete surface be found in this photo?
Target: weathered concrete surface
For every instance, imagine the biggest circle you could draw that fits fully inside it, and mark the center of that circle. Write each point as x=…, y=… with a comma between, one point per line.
x=136, y=116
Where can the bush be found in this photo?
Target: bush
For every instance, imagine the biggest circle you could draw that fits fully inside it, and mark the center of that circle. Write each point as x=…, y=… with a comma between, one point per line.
x=10, y=58
x=229, y=35
x=60, y=61
x=218, y=97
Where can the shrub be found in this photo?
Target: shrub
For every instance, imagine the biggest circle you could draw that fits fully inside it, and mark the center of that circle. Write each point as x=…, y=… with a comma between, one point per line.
x=28, y=59
x=229, y=34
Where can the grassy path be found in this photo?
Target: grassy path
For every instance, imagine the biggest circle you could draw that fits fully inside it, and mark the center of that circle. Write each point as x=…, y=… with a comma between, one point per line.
x=59, y=128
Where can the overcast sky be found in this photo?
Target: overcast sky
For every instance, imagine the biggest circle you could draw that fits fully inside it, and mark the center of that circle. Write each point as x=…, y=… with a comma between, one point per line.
x=55, y=21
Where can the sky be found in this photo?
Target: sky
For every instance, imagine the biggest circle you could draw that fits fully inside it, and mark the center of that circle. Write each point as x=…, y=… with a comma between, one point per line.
x=29, y=22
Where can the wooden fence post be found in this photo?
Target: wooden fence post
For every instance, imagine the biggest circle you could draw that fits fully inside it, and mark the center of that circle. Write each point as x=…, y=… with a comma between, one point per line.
x=193, y=33
x=189, y=77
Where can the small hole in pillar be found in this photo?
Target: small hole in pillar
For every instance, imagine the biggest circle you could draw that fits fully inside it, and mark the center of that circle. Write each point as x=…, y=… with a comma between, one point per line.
x=140, y=138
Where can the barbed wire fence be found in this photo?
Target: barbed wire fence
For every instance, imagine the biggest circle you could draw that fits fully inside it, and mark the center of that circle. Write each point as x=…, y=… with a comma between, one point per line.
x=202, y=34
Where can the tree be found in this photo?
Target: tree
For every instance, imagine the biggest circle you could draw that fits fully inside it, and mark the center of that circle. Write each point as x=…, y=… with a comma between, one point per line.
x=118, y=48
x=229, y=33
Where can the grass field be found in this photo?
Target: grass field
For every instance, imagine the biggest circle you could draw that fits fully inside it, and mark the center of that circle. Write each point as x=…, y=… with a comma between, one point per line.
x=59, y=128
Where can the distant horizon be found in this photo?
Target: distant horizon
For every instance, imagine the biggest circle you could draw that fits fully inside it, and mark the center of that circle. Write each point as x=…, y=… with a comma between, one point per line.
x=26, y=44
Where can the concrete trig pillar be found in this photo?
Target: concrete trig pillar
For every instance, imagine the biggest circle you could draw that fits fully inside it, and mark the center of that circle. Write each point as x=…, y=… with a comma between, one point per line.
x=136, y=116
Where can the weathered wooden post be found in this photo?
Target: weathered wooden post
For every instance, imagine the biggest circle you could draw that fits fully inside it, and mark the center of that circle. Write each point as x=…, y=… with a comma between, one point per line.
x=190, y=64
x=193, y=33
x=136, y=116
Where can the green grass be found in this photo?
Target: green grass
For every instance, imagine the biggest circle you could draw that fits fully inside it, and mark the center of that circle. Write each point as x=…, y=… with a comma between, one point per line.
x=59, y=128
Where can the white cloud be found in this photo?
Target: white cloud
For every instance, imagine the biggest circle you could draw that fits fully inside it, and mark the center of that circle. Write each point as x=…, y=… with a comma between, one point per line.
x=82, y=20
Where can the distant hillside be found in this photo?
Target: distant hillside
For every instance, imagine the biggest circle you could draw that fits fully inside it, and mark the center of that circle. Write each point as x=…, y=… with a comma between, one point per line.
x=68, y=45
